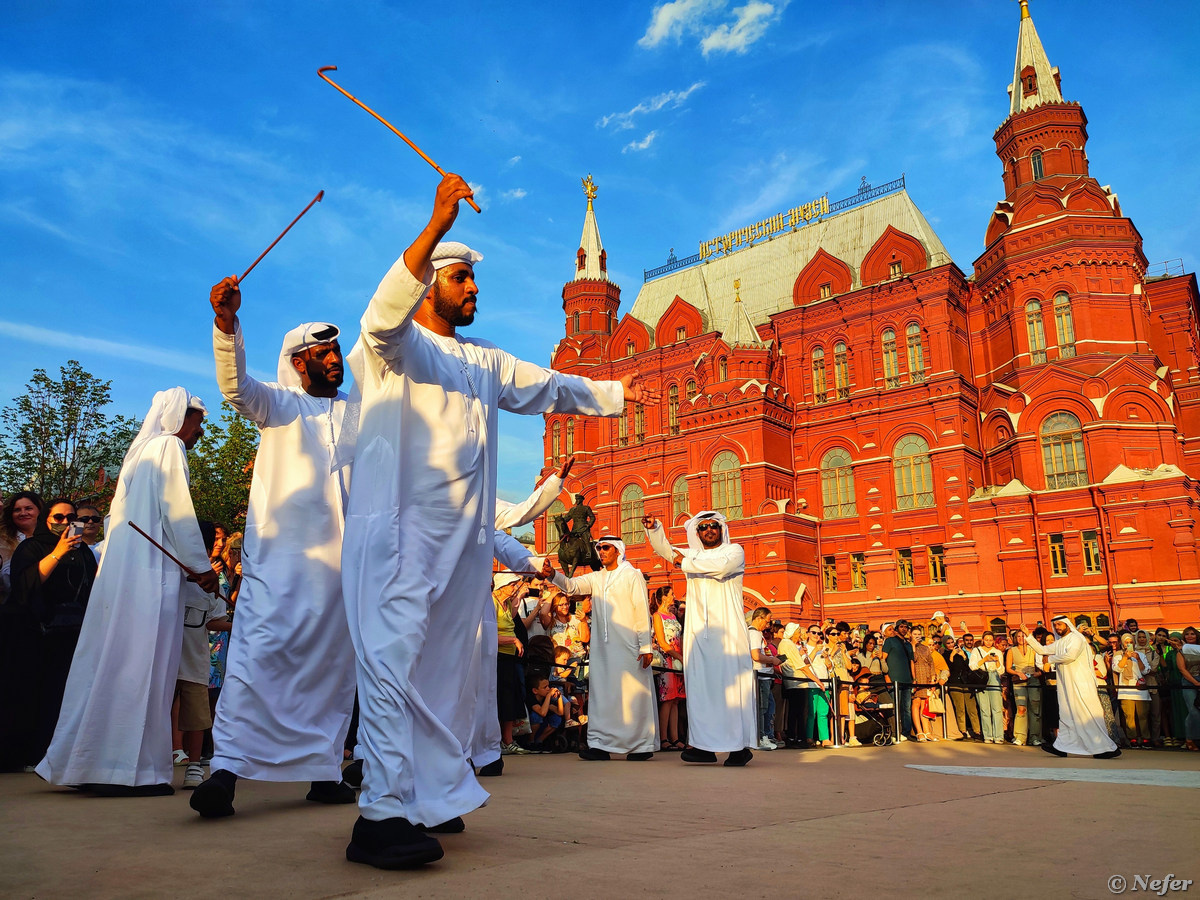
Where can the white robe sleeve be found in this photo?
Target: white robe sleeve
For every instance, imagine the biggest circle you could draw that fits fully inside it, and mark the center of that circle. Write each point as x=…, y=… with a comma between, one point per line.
x=389, y=314
x=247, y=395
x=531, y=507
x=579, y=587
x=659, y=543
x=514, y=555
x=640, y=603
x=529, y=389
x=722, y=565
x=181, y=531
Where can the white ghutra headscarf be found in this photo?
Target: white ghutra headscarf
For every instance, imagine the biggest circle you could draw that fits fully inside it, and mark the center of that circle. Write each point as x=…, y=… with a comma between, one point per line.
x=299, y=339
x=166, y=416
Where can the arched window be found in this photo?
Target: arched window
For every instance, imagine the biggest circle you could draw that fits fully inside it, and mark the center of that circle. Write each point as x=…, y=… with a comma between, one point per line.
x=570, y=436
x=914, y=473
x=818, y=374
x=557, y=508
x=841, y=370
x=555, y=447
x=673, y=409
x=639, y=422
x=691, y=389
x=632, y=511
x=679, y=498
x=1064, y=323
x=722, y=369
x=727, y=485
x=575, y=323
x=623, y=429
x=580, y=259
x=1039, y=171
x=837, y=485
x=891, y=364
x=916, y=354
x=1037, y=332
x=608, y=321
x=1062, y=451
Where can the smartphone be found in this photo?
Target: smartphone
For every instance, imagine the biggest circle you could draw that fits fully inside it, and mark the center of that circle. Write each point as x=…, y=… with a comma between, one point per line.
x=75, y=529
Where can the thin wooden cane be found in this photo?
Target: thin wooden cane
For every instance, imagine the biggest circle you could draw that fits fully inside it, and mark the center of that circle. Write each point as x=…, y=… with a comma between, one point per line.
x=316, y=199
x=321, y=74
x=168, y=555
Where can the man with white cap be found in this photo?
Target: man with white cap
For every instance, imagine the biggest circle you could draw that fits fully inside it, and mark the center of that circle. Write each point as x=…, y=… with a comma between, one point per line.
x=621, y=700
x=717, y=667
x=289, y=677
x=114, y=731
x=1081, y=728
x=420, y=525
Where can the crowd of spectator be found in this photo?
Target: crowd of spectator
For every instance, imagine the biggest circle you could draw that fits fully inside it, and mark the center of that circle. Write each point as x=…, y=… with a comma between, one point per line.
x=827, y=684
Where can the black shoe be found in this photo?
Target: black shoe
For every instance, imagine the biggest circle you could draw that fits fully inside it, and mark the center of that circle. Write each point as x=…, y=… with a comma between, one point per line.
x=131, y=790
x=693, y=755
x=592, y=753
x=1051, y=749
x=454, y=826
x=492, y=768
x=352, y=774
x=1111, y=754
x=213, y=799
x=739, y=757
x=330, y=792
x=391, y=844
x=639, y=757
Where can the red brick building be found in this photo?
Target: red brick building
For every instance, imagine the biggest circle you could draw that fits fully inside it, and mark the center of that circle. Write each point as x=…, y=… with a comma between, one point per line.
x=892, y=437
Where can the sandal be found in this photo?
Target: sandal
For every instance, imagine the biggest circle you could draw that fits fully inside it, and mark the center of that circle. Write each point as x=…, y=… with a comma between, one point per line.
x=923, y=738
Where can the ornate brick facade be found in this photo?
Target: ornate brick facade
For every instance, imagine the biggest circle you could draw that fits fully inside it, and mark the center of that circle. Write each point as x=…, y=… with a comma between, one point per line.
x=893, y=438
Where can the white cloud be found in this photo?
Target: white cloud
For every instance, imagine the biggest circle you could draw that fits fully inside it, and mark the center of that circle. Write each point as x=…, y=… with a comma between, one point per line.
x=670, y=20
x=165, y=359
x=515, y=194
x=640, y=145
x=702, y=18
x=514, y=161
x=675, y=99
x=751, y=23
x=480, y=192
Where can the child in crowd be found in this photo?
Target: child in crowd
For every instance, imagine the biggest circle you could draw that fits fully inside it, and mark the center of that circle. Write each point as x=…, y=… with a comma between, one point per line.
x=547, y=711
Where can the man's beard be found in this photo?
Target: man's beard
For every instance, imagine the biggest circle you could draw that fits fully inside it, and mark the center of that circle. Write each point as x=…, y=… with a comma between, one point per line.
x=447, y=311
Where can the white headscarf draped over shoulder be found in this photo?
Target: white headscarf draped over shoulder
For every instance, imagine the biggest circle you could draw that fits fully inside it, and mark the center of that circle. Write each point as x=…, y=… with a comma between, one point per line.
x=299, y=339
x=166, y=416
x=616, y=542
x=693, y=523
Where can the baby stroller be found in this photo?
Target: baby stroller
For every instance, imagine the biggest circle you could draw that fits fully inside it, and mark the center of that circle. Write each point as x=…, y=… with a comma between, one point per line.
x=878, y=710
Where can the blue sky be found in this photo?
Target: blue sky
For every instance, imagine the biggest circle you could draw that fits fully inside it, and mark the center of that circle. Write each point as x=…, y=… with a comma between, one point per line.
x=148, y=150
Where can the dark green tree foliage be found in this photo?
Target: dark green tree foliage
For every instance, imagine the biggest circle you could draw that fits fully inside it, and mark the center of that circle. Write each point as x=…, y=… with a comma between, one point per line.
x=221, y=466
x=56, y=438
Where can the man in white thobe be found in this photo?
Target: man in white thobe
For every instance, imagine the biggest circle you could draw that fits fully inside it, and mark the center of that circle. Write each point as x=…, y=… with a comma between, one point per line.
x=622, y=711
x=417, y=554
x=717, y=667
x=1081, y=728
x=114, y=730
x=289, y=677
x=483, y=745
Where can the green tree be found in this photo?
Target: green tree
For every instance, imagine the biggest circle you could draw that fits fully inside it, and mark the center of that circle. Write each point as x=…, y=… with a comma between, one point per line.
x=221, y=466
x=57, y=439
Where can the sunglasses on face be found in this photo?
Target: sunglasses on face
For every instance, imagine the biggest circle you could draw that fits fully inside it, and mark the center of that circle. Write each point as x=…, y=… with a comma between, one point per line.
x=62, y=517
x=89, y=520
x=705, y=526
x=604, y=546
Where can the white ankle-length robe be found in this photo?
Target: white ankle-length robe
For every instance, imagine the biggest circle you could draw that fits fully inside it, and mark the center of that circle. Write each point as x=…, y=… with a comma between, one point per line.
x=1081, y=728
x=289, y=678
x=622, y=713
x=115, y=723
x=417, y=554
x=717, y=669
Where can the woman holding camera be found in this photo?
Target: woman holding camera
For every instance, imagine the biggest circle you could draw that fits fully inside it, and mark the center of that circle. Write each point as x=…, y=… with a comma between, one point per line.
x=52, y=573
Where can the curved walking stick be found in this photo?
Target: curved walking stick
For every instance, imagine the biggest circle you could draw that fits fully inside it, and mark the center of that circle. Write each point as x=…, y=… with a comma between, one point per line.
x=396, y=131
x=316, y=199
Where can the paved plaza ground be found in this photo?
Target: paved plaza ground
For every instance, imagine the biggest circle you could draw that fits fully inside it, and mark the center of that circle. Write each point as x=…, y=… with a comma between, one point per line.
x=836, y=823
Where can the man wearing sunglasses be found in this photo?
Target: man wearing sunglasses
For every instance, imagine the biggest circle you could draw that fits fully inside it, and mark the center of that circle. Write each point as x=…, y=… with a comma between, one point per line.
x=717, y=667
x=92, y=520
